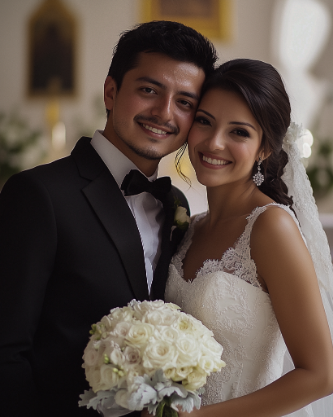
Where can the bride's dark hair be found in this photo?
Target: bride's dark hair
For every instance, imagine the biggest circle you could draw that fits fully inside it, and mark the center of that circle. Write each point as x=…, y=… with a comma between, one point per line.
x=262, y=88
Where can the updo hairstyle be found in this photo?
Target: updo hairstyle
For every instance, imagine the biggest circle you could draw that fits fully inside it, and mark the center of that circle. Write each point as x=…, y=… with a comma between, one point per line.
x=262, y=88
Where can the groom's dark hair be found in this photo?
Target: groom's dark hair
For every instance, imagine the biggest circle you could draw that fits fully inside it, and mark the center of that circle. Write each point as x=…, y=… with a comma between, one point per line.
x=173, y=39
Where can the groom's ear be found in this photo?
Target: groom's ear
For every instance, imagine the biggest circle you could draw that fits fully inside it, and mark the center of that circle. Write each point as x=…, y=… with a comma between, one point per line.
x=110, y=90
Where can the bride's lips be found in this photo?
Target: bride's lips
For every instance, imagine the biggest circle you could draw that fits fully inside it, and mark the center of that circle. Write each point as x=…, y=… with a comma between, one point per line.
x=212, y=161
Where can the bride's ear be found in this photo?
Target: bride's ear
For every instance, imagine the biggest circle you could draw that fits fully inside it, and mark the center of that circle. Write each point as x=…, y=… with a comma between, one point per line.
x=263, y=154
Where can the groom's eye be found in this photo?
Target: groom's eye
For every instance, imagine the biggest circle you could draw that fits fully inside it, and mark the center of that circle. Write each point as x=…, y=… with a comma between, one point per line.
x=185, y=103
x=148, y=90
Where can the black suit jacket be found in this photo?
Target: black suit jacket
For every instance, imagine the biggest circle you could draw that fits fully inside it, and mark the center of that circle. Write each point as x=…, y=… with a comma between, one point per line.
x=70, y=251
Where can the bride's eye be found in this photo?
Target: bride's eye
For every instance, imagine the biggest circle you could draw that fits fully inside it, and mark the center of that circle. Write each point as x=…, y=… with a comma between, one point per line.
x=242, y=132
x=202, y=120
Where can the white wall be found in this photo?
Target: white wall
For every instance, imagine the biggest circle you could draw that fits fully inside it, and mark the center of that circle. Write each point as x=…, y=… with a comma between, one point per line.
x=100, y=23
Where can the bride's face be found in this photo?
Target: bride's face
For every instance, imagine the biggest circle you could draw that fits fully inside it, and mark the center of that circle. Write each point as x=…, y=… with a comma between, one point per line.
x=225, y=139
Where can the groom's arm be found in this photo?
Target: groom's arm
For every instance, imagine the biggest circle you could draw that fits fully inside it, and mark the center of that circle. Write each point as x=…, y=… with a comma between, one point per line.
x=27, y=247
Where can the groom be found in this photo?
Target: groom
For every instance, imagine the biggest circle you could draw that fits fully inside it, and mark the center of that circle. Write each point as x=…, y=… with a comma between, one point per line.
x=80, y=236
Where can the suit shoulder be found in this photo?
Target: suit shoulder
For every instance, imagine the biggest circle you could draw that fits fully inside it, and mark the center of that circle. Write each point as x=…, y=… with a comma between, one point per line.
x=59, y=171
x=43, y=173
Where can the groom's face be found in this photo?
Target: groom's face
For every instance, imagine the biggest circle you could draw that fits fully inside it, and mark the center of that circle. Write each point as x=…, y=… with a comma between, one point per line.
x=153, y=110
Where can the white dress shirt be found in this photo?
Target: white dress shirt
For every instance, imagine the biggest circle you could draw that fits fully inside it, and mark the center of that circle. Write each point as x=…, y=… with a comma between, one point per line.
x=147, y=211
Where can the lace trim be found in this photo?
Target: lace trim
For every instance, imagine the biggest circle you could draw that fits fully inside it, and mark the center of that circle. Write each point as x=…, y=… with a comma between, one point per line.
x=237, y=259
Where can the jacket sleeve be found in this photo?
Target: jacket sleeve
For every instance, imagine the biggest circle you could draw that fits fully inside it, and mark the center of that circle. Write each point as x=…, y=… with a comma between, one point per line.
x=27, y=250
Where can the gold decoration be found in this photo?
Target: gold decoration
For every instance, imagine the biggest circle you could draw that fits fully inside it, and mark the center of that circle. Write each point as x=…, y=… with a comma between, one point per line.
x=212, y=18
x=52, y=39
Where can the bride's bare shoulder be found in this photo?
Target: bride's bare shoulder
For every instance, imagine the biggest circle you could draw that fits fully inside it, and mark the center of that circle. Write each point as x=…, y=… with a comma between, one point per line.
x=276, y=227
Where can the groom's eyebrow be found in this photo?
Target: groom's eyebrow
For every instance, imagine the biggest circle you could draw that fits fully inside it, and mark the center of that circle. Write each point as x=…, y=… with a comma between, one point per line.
x=158, y=84
x=242, y=124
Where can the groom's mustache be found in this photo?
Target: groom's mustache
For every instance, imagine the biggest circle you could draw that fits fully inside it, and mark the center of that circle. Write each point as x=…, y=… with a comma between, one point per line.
x=167, y=126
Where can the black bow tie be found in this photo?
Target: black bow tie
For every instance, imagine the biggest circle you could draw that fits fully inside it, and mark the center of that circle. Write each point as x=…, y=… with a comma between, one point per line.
x=136, y=183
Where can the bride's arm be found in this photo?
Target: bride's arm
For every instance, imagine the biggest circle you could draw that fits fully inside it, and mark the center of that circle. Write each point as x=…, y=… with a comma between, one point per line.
x=284, y=264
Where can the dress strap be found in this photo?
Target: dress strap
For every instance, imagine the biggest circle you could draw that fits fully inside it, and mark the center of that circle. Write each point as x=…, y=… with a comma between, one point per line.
x=239, y=257
x=259, y=210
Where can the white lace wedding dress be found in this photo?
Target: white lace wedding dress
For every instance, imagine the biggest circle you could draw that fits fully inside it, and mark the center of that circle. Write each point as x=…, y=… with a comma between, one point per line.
x=227, y=297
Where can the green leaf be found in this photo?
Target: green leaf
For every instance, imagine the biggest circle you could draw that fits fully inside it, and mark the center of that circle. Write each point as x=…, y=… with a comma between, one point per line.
x=169, y=412
x=160, y=408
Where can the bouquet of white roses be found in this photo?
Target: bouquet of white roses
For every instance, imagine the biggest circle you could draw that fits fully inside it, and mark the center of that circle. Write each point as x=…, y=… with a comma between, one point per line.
x=148, y=354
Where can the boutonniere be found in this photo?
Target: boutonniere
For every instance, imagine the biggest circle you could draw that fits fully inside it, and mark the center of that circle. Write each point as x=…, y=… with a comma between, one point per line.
x=181, y=220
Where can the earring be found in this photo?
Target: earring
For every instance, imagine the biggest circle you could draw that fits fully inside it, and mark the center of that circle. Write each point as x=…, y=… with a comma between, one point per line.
x=258, y=178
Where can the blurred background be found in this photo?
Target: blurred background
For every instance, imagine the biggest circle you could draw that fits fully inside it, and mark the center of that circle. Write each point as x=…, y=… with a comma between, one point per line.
x=55, y=54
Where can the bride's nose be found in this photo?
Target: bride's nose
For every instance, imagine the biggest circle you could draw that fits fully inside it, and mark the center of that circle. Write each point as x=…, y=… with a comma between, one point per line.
x=216, y=142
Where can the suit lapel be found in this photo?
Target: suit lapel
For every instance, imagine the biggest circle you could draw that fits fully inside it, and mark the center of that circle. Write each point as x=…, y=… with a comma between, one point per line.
x=111, y=208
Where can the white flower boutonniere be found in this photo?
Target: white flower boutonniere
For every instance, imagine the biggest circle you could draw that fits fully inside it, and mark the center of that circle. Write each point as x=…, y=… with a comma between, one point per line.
x=181, y=220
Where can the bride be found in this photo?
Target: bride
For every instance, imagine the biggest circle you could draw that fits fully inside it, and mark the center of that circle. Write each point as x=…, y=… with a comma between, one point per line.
x=256, y=267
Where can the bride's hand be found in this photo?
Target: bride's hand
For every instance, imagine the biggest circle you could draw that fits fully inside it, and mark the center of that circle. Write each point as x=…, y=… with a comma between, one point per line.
x=145, y=413
x=193, y=413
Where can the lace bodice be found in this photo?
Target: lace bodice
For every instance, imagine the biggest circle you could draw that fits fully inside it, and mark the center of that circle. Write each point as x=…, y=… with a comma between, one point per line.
x=236, y=259
x=233, y=305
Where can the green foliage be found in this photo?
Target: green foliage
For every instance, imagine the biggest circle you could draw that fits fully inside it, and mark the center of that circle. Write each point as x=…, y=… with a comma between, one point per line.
x=20, y=145
x=165, y=410
x=321, y=171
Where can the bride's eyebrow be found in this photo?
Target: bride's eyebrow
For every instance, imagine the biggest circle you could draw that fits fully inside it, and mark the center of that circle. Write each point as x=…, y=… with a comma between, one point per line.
x=242, y=124
x=206, y=112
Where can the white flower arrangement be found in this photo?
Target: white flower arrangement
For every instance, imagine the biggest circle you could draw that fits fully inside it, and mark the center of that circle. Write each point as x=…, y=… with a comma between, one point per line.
x=148, y=355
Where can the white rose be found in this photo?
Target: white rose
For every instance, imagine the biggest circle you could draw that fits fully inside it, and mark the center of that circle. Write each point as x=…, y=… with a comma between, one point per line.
x=109, y=376
x=195, y=380
x=93, y=376
x=184, y=323
x=188, y=351
x=207, y=364
x=120, y=332
x=171, y=373
x=121, y=314
x=181, y=216
x=96, y=343
x=163, y=317
x=156, y=304
x=154, y=317
x=121, y=398
x=159, y=355
x=139, y=334
x=90, y=356
x=91, y=352
x=107, y=322
x=211, y=347
x=172, y=306
x=117, y=357
x=141, y=308
x=168, y=334
x=199, y=328
x=194, y=326
x=132, y=373
x=132, y=355
x=182, y=373
x=106, y=347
